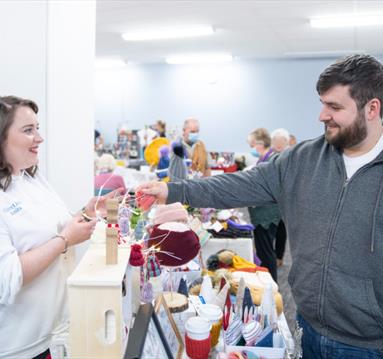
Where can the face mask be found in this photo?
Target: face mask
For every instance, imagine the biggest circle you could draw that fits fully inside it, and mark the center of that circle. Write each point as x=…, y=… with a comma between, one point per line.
x=193, y=137
x=255, y=153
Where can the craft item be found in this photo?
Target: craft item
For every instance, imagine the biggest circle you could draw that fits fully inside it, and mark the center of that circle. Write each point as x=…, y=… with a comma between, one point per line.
x=174, y=212
x=144, y=201
x=239, y=296
x=214, y=314
x=136, y=258
x=251, y=332
x=234, y=331
x=197, y=337
x=247, y=302
x=176, y=302
x=267, y=307
x=147, y=293
x=224, y=215
x=112, y=236
x=220, y=299
x=139, y=230
x=123, y=221
x=206, y=291
x=266, y=338
x=175, y=244
x=153, y=267
x=182, y=288
x=164, y=161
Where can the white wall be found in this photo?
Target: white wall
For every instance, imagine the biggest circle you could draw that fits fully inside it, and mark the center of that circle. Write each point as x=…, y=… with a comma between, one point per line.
x=47, y=54
x=230, y=100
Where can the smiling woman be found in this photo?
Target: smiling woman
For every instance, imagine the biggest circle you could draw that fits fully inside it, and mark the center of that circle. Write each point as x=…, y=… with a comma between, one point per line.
x=36, y=228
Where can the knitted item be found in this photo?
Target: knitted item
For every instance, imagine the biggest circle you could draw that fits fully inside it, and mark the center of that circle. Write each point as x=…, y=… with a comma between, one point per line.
x=123, y=221
x=234, y=331
x=144, y=201
x=197, y=349
x=139, y=231
x=147, y=293
x=175, y=212
x=175, y=242
x=251, y=332
x=153, y=266
x=136, y=258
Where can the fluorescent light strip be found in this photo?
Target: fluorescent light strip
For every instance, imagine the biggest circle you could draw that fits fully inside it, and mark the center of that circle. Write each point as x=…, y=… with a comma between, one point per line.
x=318, y=54
x=198, y=59
x=109, y=63
x=346, y=21
x=168, y=33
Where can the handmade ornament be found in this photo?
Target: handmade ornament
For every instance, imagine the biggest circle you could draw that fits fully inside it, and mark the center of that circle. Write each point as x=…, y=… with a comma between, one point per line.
x=123, y=221
x=206, y=291
x=139, y=230
x=175, y=244
x=247, y=303
x=135, y=217
x=153, y=266
x=136, y=258
x=176, y=302
x=174, y=212
x=144, y=201
x=234, y=331
x=220, y=299
x=240, y=294
x=251, y=331
x=182, y=288
x=147, y=293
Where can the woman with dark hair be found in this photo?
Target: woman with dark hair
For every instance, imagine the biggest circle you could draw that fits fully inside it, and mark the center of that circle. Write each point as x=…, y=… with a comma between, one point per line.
x=36, y=230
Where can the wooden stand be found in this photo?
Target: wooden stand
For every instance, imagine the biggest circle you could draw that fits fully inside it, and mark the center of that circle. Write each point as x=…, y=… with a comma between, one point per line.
x=98, y=310
x=176, y=302
x=112, y=232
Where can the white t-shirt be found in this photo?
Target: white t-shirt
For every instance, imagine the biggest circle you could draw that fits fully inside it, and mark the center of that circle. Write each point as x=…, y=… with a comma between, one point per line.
x=354, y=163
x=31, y=213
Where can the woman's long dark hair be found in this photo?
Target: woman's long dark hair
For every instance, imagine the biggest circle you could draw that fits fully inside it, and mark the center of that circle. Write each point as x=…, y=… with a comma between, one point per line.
x=8, y=107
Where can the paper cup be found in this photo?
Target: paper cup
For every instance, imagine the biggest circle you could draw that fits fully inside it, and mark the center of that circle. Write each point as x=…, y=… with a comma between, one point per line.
x=197, y=349
x=197, y=328
x=214, y=314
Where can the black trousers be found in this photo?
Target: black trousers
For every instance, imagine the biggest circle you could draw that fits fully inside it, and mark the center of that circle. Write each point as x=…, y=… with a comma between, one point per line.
x=264, y=244
x=280, y=240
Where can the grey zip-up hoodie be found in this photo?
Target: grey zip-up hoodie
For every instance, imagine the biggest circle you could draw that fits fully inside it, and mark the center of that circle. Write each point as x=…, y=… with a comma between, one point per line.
x=335, y=227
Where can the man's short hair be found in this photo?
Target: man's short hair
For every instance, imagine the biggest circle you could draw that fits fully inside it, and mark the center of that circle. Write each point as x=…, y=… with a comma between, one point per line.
x=362, y=73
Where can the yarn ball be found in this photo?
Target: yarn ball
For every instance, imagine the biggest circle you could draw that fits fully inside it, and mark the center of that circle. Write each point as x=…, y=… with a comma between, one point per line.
x=136, y=258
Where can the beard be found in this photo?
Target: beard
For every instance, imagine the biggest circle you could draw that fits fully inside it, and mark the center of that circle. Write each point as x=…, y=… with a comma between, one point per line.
x=350, y=136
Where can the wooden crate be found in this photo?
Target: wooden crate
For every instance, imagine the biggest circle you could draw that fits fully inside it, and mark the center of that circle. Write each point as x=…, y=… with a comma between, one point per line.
x=99, y=313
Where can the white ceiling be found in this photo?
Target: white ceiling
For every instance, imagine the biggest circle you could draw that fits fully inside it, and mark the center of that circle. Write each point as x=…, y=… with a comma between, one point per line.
x=247, y=29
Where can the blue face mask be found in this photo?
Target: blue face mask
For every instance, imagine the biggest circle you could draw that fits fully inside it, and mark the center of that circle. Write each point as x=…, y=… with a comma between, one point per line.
x=193, y=137
x=255, y=153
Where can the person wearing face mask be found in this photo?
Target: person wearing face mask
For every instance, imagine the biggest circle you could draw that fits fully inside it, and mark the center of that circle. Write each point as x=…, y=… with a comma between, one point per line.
x=264, y=218
x=191, y=141
x=36, y=230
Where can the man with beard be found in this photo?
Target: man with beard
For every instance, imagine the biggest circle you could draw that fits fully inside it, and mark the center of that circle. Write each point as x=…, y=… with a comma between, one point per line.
x=330, y=193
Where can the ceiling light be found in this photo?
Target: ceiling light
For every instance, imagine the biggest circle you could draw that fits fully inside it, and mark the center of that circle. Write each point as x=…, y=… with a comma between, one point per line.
x=167, y=33
x=199, y=59
x=109, y=63
x=346, y=21
x=323, y=54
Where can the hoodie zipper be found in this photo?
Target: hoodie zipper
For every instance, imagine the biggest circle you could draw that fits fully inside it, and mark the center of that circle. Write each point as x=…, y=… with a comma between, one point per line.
x=332, y=234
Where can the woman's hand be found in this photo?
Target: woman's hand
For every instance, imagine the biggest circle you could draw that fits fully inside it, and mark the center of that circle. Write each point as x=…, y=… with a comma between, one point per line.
x=101, y=203
x=77, y=230
x=157, y=189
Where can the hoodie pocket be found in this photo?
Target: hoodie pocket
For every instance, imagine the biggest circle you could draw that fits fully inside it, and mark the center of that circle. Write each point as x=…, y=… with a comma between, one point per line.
x=351, y=306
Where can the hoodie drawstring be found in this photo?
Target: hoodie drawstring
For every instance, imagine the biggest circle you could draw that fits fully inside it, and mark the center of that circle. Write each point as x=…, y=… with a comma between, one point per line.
x=378, y=198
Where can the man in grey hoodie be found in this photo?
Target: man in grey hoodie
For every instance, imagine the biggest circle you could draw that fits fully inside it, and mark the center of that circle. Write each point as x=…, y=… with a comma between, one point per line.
x=330, y=193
